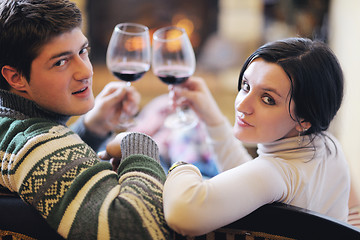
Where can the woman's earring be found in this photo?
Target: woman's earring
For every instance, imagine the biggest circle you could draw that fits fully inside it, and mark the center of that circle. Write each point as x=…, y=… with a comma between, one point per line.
x=301, y=136
x=299, y=140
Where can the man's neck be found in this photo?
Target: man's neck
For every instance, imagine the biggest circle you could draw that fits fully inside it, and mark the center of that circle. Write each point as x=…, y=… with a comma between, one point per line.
x=20, y=93
x=16, y=106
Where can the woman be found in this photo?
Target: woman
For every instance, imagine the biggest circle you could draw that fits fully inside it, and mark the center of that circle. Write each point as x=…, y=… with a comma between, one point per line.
x=289, y=91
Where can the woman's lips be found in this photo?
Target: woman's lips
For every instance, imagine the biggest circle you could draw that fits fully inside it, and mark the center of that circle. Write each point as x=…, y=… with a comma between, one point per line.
x=242, y=123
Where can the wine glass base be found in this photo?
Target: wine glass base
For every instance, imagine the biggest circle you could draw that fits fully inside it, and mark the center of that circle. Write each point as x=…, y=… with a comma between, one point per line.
x=186, y=119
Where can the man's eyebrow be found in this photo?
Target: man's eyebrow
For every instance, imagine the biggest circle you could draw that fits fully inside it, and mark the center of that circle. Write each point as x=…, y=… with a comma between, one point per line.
x=68, y=52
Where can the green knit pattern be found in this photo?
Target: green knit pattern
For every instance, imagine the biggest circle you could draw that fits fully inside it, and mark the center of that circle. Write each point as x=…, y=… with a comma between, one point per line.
x=51, y=168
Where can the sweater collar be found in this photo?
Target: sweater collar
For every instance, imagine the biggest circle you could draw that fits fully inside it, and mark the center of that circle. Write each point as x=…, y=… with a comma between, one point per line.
x=290, y=148
x=15, y=106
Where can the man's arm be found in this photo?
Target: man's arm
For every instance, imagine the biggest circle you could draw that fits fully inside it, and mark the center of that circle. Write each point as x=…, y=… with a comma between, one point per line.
x=81, y=197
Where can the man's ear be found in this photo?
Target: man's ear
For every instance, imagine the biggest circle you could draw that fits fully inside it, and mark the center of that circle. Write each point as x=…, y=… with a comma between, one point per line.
x=14, y=78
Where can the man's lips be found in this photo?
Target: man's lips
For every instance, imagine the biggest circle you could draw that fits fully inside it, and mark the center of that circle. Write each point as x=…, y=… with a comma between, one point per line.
x=80, y=91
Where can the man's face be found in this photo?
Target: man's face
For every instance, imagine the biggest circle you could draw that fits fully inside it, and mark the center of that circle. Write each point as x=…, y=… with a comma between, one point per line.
x=61, y=75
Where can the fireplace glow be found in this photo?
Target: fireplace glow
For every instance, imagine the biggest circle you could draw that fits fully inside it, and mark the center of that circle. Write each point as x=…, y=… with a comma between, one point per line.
x=182, y=21
x=199, y=18
x=134, y=43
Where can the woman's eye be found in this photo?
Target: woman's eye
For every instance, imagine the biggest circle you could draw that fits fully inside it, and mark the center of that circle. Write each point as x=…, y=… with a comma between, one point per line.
x=245, y=86
x=268, y=100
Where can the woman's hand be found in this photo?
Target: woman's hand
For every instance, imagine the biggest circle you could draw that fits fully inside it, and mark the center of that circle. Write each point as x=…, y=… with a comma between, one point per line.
x=199, y=97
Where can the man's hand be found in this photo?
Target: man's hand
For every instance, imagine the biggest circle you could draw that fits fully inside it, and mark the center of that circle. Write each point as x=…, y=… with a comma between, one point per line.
x=113, y=151
x=114, y=99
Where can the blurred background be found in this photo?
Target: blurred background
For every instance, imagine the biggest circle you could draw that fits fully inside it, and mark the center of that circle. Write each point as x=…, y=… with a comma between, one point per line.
x=225, y=32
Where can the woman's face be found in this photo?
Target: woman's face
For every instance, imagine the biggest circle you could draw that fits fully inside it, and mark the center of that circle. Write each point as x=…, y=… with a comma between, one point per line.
x=262, y=105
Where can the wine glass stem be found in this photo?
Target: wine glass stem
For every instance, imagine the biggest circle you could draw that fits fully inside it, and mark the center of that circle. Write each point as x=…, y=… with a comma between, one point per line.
x=172, y=96
x=126, y=121
x=181, y=114
x=178, y=109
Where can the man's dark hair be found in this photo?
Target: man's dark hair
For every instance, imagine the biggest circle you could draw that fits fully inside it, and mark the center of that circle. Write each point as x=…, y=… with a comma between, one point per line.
x=27, y=25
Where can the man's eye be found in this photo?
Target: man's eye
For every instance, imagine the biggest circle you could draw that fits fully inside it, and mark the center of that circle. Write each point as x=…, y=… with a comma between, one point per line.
x=60, y=63
x=85, y=50
x=268, y=100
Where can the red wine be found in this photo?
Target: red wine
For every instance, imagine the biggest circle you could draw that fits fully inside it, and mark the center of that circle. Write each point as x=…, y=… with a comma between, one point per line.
x=129, y=71
x=128, y=75
x=173, y=74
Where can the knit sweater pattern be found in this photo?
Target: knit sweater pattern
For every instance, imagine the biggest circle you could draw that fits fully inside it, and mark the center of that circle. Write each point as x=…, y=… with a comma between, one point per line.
x=53, y=169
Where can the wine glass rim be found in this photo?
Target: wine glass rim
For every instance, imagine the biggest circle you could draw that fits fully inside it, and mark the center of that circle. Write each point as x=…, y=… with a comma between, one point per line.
x=136, y=25
x=163, y=29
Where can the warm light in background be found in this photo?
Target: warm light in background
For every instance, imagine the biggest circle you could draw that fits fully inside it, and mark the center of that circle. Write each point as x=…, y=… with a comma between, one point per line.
x=173, y=46
x=135, y=43
x=181, y=20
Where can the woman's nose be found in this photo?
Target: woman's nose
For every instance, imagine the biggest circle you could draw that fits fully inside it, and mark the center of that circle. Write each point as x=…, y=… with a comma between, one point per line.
x=244, y=103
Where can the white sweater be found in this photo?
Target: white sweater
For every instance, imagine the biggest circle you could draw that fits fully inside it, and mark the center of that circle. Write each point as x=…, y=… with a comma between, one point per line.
x=314, y=176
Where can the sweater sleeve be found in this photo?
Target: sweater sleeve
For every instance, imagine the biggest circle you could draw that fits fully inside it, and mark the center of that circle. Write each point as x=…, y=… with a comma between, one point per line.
x=80, y=196
x=194, y=206
x=90, y=138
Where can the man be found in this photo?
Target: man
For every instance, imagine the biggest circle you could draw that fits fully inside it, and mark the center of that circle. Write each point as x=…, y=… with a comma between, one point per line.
x=46, y=77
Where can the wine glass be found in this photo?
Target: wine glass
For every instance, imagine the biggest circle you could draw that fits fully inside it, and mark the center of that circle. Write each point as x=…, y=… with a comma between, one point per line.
x=173, y=62
x=128, y=57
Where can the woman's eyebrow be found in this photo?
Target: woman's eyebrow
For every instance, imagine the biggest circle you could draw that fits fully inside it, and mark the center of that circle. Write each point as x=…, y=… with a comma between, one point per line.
x=267, y=89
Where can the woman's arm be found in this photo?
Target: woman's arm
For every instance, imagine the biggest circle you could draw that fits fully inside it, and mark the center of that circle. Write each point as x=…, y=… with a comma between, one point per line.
x=193, y=206
x=228, y=150
x=199, y=97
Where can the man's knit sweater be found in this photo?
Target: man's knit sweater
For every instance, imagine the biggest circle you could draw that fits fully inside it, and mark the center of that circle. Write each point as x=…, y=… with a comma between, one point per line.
x=51, y=168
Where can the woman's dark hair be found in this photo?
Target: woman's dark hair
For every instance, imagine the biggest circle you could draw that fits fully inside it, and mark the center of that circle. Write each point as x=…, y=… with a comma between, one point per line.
x=27, y=25
x=315, y=74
